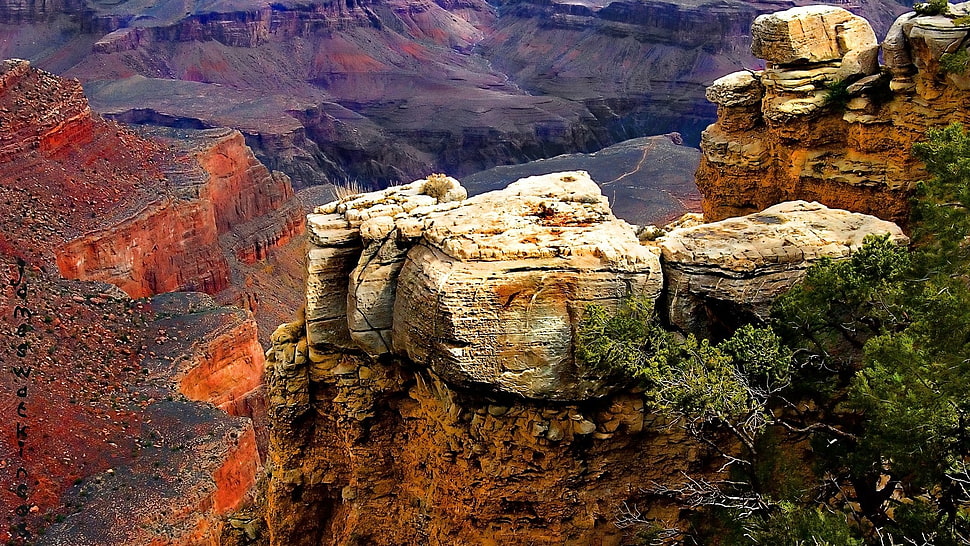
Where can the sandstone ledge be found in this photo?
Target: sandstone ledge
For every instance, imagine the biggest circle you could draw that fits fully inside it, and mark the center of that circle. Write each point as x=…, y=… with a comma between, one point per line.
x=487, y=290
x=824, y=121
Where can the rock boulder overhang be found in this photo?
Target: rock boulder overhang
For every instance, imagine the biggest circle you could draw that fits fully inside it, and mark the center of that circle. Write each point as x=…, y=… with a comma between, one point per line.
x=489, y=291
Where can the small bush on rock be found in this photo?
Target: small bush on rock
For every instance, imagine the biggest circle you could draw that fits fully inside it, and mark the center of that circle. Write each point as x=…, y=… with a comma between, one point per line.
x=955, y=63
x=933, y=7
x=436, y=185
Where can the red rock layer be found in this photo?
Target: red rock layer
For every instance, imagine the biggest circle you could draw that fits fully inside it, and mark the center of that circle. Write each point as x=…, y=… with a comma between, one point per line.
x=141, y=213
x=255, y=205
x=227, y=369
x=63, y=170
x=166, y=247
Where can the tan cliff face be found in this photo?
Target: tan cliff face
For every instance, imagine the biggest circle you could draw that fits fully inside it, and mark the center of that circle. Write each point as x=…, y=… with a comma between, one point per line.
x=430, y=395
x=779, y=138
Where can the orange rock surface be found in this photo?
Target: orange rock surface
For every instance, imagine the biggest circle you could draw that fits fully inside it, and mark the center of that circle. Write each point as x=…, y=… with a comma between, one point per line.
x=166, y=247
x=853, y=154
x=115, y=451
x=371, y=452
x=227, y=369
x=149, y=213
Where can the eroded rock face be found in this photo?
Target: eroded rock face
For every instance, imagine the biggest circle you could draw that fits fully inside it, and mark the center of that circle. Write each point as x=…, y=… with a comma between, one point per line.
x=849, y=150
x=495, y=290
x=385, y=453
x=432, y=377
x=149, y=212
x=734, y=269
x=487, y=290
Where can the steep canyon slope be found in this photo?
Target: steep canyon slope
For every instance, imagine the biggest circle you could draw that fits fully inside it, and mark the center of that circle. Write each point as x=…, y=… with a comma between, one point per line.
x=144, y=403
x=384, y=91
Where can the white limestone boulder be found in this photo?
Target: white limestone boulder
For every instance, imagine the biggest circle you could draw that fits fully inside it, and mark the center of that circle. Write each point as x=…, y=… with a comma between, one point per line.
x=809, y=34
x=740, y=265
x=741, y=88
x=494, y=293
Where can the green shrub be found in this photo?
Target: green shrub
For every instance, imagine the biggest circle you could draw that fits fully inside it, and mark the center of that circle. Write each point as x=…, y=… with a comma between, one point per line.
x=933, y=7
x=955, y=63
x=629, y=344
x=792, y=524
x=837, y=95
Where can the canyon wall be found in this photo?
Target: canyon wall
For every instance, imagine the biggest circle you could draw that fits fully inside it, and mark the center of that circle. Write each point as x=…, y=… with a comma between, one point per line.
x=824, y=121
x=152, y=425
x=150, y=213
x=187, y=464
x=216, y=192
x=386, y=91
x=430, y=392
x=114, y=451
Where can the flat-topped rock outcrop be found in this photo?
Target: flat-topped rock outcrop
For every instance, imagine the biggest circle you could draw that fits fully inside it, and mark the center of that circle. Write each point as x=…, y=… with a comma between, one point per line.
x=490, y=290
x=824, y=121
x=438, y=344
x=486, y=290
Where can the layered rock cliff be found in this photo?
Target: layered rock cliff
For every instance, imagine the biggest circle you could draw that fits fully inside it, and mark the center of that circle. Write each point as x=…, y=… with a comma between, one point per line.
x=824, y=121
x=101, y=445
x=216, y=191
x=430, y=392
x=148, y=213
x=135, y=421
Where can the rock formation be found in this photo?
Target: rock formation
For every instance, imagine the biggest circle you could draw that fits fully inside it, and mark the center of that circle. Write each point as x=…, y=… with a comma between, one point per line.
x=823, y=121
x=430, y=392
x=191, y=464
x=127, y=436
x=486, y=290
x=216, y=192
x=731, y=271
x=115, y=451
x=148, y=213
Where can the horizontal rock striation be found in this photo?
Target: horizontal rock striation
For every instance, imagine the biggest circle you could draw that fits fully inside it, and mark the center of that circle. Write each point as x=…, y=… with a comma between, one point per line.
x=165, y=247
x=644, y=65
x=486, y=290
x=219, y=196
x=815, y=123
x=489, y=291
